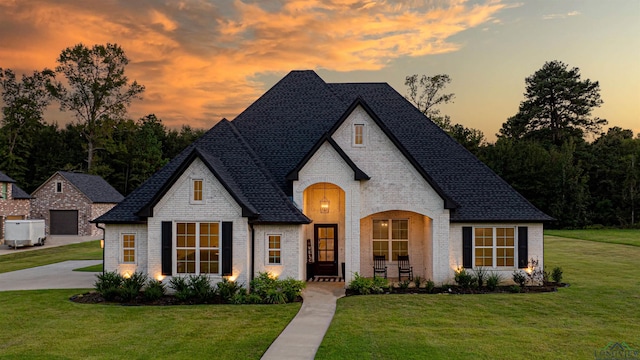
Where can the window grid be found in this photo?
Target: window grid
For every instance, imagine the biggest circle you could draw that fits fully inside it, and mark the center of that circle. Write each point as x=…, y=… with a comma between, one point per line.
x=358, y=134
x=129, y=248
x=505, y=249
x=198, y=257
x=398, y=233
x=3, y=191
x=197, y=190
x=494, y=247
x=275, y=249
x=484, y=246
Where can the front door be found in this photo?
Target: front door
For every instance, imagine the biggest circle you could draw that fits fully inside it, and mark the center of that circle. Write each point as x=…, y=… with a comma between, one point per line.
x=326, y=249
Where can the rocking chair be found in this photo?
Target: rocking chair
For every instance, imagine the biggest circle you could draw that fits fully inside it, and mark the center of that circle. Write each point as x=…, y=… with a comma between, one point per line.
x=379, y=265
x=404, y=267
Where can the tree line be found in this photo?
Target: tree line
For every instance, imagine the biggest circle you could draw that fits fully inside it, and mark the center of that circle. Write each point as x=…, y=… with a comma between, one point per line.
x=541, y=151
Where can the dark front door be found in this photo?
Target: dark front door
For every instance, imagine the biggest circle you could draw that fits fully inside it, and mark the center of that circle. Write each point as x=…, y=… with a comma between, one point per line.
x=326, y=249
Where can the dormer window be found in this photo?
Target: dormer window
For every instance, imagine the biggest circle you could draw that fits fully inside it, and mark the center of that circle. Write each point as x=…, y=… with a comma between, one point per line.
x=358, y=135
x=58, y=186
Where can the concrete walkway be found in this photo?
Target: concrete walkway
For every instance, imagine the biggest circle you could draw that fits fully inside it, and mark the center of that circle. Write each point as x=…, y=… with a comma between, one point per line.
x=302, y=337
x=52, y=241
x=54, y=276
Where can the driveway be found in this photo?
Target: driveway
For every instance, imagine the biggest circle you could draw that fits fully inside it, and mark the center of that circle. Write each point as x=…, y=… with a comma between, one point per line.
x=52, y=241
x=54, y=276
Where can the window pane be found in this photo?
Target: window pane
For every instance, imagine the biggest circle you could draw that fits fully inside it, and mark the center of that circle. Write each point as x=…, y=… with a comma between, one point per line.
x=399, y=248
x=400, y=229
x=380, y=229
x=381, y=248
x=197, y=190
x=209, y=260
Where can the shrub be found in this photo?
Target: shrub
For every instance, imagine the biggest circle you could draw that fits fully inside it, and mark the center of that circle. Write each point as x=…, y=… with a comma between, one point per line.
x=519, y=278
x=275, y=296
x=292, y=288
x=270, y=290
x=417, y=281
x=228, y=289
x=154, y=290
x=556, y=274
x=515, y=289
x=404, y=285
x=430, y=285
x=379, y=285
x=261, y=284
x=363, y=286
x=200, y=288
x=480, y=275
x=132, y=285
x=493, y=280
x=108, y=285
x=463, y=279
x=181, y=287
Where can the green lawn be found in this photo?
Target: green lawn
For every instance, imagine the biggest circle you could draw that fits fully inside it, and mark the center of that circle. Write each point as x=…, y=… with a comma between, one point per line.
x=600, y=306
x=613, y=236
x=46, y=325
x=19, y=260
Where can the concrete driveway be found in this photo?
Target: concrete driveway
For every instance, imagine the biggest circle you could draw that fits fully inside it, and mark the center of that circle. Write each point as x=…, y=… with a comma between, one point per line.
x=54, y=276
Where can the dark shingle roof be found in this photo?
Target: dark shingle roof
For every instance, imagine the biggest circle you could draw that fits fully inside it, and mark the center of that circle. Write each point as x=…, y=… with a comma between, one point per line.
x=94, y=187
x=19, y=194
x=253, y=155
x=5, y=178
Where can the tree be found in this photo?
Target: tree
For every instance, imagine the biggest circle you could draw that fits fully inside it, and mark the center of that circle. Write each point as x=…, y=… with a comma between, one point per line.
x=24, y=104
x=557, y=106
x=97, y=89
x=424, y=93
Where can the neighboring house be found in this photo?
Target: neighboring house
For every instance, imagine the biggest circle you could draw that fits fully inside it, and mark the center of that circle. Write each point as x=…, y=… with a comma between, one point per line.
x=68, y=201
x=314, y=175
x=14, y=202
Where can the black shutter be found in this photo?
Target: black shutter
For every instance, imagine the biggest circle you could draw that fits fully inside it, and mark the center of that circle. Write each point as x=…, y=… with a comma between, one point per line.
x=167, y=237
x=523, y=247
x=227, y=237
x=467, y=247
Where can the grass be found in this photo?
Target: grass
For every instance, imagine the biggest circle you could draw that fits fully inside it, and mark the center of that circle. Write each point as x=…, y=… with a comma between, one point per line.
x=46, y=325
x=92, y=268
x=613, y=236
x=600, y=306
x=19, y=260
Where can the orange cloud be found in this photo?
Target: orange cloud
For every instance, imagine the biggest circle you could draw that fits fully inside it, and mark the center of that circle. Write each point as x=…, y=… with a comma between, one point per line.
x=197, y=59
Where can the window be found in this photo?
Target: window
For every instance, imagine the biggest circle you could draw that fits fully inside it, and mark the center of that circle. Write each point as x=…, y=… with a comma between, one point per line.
x=274, y=249
x=358, y=134
x=494, y=246
x=390, y=241
x=58, y=186
x=197, y=190
x=198, y=248
x=128, y=248
x=3, y=191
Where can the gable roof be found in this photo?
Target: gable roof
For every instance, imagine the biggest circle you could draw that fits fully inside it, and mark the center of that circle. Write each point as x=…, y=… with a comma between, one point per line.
x=258, y=154
x=5, y=178
x=240, y=171
x=19, y=194
x=94, y=187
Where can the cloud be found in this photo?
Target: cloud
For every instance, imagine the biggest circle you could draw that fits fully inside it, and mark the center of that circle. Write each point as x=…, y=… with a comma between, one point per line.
x=198, y=59
x=560, y=16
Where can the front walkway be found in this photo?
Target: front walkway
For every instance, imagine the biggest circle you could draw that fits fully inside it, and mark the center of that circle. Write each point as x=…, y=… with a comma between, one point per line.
x=302, y=337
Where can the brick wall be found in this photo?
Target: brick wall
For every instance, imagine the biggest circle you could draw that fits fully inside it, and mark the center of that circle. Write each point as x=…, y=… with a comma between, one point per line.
x=12, y=207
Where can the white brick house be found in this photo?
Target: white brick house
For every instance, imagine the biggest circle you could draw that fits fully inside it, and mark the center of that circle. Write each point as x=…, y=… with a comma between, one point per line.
x=314, y=179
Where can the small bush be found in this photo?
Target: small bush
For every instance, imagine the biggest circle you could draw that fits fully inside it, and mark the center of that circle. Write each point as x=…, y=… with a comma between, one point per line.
x=430, y=285
x=200, y=288
x=417, y=281
x=463, y=279
x=493, y=280
x=261, y=284
x=270, y=290
x=108, y=285
x=228, y=289
x=132, y=286
x=519, y=278
x=181, y=287
x=275, y=296
x=292, y=288
x=360, y=285
x=154, y=290
x=556, y=274
x=515, y=289
x=404, y=285
x=379, y=285
x=480, y=275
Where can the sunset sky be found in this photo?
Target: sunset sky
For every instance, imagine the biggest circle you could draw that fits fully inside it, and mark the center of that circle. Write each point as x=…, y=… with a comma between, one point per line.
x=204, y=60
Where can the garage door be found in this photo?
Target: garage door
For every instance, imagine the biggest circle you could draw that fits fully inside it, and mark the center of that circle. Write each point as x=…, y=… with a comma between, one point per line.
x=63, y=222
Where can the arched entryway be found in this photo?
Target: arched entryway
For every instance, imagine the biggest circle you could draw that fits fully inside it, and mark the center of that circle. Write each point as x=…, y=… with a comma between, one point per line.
x=324, y=203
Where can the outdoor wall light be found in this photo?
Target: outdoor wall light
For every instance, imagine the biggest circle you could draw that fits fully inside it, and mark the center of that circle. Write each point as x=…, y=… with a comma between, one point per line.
x=160, y=277
x=101, y=243
x=126, y=275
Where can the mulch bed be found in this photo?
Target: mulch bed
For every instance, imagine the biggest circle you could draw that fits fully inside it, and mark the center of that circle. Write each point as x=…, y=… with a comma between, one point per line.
x=95, y=298
x=457, y=290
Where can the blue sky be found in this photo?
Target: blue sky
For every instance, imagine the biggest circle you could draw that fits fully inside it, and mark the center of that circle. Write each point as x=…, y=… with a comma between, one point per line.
x=204, y=60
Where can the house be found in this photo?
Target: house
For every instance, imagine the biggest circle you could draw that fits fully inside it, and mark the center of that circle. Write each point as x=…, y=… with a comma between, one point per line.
x=67, y=201
x=316, y=178
x=14, y=202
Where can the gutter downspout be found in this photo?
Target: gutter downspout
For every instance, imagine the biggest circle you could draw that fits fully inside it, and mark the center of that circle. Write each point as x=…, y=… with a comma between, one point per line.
x=253, y=243
x=104, y=244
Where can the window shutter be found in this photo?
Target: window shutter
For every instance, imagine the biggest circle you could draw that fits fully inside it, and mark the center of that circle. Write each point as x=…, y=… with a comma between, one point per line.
x=167, y=237
x=227, y=258
x=467, y=247
x=523, y=247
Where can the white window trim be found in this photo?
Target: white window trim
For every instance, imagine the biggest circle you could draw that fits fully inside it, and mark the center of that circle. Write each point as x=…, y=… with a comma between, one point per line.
x=268, y=258
x=390, y=238
x=494, y=252
x=135, y=247
x=174, y=250
x=364, y=136
x=192, y=181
